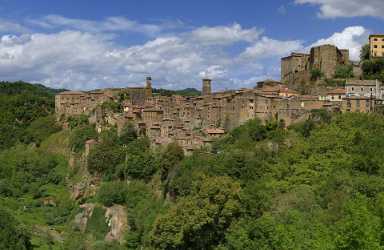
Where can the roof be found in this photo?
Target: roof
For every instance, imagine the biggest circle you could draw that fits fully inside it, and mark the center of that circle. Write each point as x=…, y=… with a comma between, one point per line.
x=309, y=97
x=361, y=82
x=338, y=91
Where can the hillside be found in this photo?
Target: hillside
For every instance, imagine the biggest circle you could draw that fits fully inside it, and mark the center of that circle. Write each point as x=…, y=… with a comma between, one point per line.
x=318, y=184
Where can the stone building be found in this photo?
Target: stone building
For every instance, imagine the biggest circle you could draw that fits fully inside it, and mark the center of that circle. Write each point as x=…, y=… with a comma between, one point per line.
x=358, y=104
x=326, y=58
x=297, y=67
x=376, y=46
x=70, y=103
x=191, y=121
x=365, y=88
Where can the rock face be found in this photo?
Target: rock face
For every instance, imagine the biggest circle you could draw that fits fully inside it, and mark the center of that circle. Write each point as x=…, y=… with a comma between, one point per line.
x=85, y=188
x=117, y=222
x=82, y=218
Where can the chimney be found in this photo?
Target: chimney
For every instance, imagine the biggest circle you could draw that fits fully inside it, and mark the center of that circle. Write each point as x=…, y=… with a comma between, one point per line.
x=206, y=87
x=148, y=86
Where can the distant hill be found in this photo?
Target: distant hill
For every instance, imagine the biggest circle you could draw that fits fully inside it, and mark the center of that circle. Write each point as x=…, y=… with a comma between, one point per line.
x=182, y=92
x=20, y=87
x=22, y=103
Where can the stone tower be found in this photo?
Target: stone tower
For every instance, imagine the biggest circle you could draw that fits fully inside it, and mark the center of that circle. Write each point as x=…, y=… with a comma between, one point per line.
x=148, y=86
x=207, y=88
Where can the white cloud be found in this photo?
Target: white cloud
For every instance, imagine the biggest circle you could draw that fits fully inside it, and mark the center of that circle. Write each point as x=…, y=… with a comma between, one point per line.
x=9, y=26
x=110, y=24
x=89, y=56
x=347, y=8
x=225, y=34
x=214, y=72
x=85, y=55
x=267, y=47
x=351, y=38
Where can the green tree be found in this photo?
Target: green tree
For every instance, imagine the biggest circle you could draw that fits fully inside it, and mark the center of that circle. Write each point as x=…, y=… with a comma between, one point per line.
x=169, y=159
x=12, y=235
x=128, y=134
x=199, y=221
x=344, y=71
x=365, y=52
x=359, y=228
x=112, y=193
x=80, y=135
x=316, y=74
x=103, y=159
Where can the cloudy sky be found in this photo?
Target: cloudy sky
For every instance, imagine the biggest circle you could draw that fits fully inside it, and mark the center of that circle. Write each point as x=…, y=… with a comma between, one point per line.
x=87, y=44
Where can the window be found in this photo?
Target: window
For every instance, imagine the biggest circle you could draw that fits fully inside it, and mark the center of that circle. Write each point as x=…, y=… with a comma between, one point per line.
x=382, y=46
x=353, y=89
x=371, y=89
x=375, y=39
x=375, y=46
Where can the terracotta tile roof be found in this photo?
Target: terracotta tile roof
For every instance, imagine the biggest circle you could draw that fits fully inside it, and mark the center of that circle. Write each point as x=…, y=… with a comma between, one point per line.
x=362, y=82
x=338, y=91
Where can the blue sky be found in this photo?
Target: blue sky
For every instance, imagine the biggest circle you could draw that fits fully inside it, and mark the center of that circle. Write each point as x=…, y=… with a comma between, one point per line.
x=95, y=44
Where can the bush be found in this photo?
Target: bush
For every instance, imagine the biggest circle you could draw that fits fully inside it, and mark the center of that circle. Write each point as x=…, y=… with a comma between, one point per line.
x=112, y=193
x=80, y=135
x=40, y=129
x=12, y=235
x=77, y=121
x=316, y=74
x=128, y=134
x=344, y=71
x=104, y=158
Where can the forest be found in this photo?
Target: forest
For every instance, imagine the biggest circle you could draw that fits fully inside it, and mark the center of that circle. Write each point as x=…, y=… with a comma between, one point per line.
x=318, y=184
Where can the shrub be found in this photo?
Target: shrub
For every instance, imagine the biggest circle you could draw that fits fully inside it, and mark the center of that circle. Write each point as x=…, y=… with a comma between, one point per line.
x=112, y=193
x=316, y=74
x=104, y=158
x=77, y=121
x=12, y=235
x=344, y=71
x=128, y=134
x=80, y=135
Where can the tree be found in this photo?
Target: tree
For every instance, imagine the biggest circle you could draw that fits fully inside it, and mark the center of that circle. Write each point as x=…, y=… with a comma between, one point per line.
x=104, y=158
x=112, y=193
x=199, y=221
x=365, y=52
x=80, y=135
x=12, y=235
x=171, y=156
x=316, y=74
x=128, y=134
x=359, y=228
x=344, y=71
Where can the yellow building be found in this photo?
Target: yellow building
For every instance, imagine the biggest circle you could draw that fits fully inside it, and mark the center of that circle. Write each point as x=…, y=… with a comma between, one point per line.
x=376, y=45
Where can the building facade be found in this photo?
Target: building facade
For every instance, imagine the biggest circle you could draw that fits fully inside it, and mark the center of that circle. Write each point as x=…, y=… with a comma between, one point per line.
x=376, y=46
x=297, y=67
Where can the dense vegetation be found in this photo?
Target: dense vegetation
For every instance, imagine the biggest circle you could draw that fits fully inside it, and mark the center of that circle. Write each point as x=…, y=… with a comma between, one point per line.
x=318, y=184
x=22, y=104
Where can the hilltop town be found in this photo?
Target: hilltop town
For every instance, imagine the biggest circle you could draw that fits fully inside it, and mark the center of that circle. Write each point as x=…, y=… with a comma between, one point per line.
x=308, y=82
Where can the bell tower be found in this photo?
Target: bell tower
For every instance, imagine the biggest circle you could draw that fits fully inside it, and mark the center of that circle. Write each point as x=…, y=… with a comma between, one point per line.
x=148, y=86
x=207, y=88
